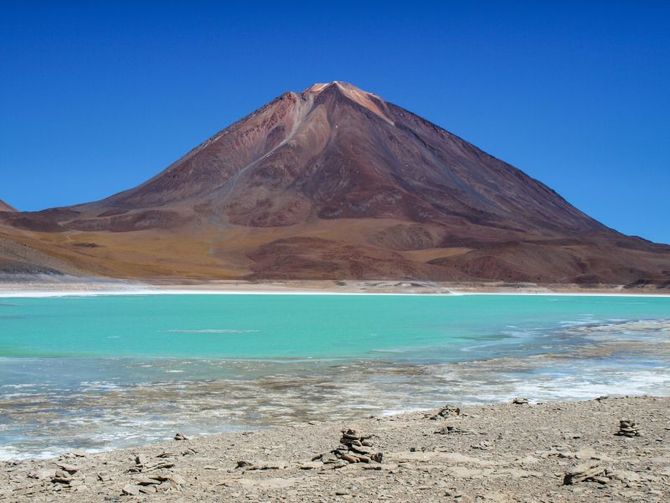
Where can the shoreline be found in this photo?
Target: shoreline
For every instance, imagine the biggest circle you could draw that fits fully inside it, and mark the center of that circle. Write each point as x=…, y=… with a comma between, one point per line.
x=500, y=452
x=95, y=287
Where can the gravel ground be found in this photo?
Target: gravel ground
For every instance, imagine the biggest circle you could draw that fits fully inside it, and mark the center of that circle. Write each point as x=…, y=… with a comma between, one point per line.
x=577, y=451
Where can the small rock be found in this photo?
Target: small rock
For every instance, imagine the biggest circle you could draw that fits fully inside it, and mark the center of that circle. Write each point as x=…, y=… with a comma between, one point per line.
x=447, y=430
x=361, y=449
x=520, y=401
x=244, y=464
x=627, y=477
x=349, y=458
x=180, y=436
x=41, y=474
x=311, y=465
x=130, y=490
x=163, y=465
x=446, y=411
x=378, y=457
x=583, y=472
x=176, y=479
x=146, y=481
x=61, y=477
x=71, y=469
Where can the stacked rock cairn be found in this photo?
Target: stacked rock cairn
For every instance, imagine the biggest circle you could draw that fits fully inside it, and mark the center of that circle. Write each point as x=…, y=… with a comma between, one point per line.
x=353, y=448
x=627, y=428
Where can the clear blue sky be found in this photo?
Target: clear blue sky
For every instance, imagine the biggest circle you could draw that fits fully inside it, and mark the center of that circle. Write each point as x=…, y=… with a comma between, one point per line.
x=96, y=97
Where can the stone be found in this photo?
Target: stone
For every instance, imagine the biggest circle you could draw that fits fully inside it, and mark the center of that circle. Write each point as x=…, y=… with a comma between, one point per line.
x=163, y=465
x=625, y=476
x=180, y=436
x=244, y=464
x=328, y=458
x=583, y=472
x=71, y=469
x=349, y=458
x=378, y=457
x=311, y=465
x=176, y=479
x=41, y=474
x=446, y=411
x=147, y=481
x=61, y=477
x=361, y=449
x=130, y=490
x=520, y=401
x=447, y=430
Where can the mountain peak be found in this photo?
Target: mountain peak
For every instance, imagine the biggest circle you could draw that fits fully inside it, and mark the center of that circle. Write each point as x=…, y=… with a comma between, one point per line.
x=367, y=100
x=318, y=87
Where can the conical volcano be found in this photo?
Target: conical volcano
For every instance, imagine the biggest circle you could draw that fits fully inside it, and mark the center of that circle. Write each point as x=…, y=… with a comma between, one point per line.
x=335, y=182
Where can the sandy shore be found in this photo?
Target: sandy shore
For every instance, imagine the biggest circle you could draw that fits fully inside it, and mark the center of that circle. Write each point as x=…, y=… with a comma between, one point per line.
x=511, y=452
x=77, y=286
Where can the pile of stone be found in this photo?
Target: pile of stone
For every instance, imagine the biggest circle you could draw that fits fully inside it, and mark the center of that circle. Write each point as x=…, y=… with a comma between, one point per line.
x=627, y=429
x=445, y=412
x=353, y=448
x=64, y=474
x=152, y=477
x=586, y=472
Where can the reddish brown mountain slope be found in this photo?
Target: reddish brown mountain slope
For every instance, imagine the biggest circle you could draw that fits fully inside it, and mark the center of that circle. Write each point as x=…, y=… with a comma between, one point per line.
x=6, y=207
x=335, y=182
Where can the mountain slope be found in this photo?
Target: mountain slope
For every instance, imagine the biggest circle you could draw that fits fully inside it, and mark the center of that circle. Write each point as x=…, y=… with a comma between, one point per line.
x=336, y=182
x=6, y=207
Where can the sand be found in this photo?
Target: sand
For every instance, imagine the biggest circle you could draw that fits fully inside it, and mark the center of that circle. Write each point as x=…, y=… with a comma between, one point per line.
x=509, y=452
x=71, y=285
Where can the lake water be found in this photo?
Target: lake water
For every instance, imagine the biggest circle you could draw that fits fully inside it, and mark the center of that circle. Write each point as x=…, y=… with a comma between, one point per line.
x=98, y=372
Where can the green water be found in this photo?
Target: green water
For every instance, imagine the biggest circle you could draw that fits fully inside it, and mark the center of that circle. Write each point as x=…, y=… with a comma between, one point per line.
x=100, y=372
x=295, y=326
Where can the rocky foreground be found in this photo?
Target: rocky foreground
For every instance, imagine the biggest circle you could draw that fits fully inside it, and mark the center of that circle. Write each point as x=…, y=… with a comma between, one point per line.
x=616, y=449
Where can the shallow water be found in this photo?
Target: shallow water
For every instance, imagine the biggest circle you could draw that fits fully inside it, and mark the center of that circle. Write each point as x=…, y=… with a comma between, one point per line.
x=106, y=371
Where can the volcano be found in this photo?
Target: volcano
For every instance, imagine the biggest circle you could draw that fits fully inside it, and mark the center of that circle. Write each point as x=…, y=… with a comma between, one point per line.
x=337, y=183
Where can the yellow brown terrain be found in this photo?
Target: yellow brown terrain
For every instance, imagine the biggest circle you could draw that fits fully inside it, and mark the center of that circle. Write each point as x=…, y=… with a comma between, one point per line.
x=332, y=183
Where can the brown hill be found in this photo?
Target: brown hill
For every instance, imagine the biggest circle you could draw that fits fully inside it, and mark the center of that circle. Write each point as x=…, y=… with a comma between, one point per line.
x=335, y=182
x=6, y=207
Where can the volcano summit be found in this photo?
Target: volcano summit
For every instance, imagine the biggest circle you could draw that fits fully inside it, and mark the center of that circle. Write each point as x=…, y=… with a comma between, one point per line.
x=337, y=183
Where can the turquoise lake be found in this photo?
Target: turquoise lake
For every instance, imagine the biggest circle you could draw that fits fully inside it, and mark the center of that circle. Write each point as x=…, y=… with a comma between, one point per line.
x=97, y=372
